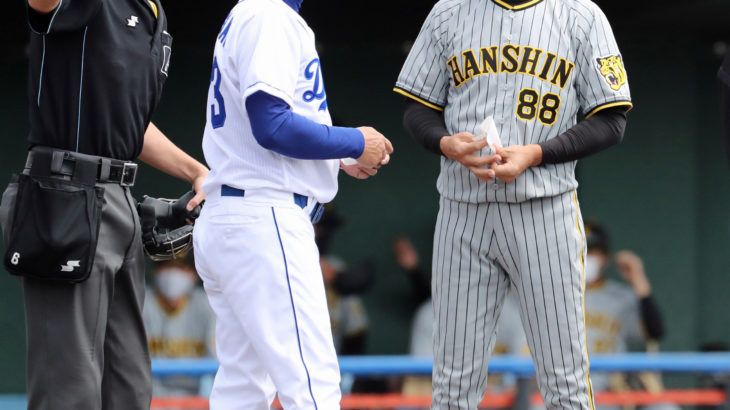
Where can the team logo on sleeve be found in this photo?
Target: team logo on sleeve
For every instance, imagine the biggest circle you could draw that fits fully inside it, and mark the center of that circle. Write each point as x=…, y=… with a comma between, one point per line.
x=612, y=70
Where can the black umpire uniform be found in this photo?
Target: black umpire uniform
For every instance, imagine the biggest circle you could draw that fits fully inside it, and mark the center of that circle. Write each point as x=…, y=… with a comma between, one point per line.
x=97, y=68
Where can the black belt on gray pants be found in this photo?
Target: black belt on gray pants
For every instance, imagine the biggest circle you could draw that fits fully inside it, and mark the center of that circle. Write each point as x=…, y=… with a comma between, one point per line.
x=109, y=170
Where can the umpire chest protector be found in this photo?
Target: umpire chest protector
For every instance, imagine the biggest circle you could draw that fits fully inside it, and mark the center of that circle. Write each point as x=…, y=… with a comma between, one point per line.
x=97, y=68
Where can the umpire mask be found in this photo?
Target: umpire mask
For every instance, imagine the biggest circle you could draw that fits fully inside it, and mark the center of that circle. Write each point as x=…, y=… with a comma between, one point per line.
x=173, y=283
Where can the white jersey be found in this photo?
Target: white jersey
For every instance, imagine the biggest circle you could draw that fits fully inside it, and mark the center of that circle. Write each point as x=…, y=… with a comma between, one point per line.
x=533, y=68
x=264, y=45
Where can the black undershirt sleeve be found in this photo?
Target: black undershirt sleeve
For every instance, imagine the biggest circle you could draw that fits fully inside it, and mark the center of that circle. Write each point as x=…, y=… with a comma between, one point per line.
x=425, y=125
x=603, y=130
x=651, y=318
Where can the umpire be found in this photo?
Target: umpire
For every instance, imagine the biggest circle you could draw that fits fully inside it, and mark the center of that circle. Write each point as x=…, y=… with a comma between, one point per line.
x=97, y=68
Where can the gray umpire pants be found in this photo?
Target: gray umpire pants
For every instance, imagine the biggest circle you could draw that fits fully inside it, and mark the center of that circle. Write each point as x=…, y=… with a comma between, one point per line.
x=87, y=347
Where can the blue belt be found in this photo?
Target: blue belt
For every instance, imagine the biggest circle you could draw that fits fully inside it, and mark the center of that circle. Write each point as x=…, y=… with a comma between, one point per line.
x=300, y=200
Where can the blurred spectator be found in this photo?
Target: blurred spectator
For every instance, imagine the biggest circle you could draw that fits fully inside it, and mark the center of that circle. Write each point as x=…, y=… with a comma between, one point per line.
x=347, y=312
x=348, y=317
x=345, y=280
x=619, y=316
x=179, y=324
x=408, y=260
x=422, y=324
x=616, y=314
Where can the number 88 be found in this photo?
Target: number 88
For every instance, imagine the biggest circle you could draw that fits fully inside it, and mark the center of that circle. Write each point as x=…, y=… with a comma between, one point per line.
x=527, y=109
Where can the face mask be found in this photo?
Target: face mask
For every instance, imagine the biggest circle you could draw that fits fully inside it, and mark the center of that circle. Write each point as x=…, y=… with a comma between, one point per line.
x=173, y=283
x=592, y=268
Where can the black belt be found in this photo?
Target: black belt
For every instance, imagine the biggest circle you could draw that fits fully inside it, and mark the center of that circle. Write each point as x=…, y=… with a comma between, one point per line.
x=299, y=199
x=64, y=163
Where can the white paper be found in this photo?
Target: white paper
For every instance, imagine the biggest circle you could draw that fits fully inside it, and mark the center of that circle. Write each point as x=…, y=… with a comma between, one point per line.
x=488, y=130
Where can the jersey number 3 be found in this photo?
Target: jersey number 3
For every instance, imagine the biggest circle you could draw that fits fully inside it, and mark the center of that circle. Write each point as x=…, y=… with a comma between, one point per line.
x=530, y=106
x=218, y=108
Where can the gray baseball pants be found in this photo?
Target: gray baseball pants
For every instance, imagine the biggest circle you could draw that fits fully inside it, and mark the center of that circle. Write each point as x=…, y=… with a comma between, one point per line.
x=87, y=347
x=480, y=250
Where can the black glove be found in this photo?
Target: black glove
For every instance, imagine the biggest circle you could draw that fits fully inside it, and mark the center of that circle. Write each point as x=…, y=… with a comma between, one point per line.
x=171, y=213
x=166, y=232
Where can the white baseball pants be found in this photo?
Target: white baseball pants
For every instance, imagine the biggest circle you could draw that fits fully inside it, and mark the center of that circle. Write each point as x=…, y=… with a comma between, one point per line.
x=260, y=266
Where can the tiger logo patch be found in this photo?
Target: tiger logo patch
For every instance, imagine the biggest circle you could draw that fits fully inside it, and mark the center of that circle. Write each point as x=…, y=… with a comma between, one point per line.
x=612, y=70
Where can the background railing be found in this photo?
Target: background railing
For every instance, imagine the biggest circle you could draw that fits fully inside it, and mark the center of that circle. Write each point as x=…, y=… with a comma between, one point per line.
x=518, y=365
x=522, y=397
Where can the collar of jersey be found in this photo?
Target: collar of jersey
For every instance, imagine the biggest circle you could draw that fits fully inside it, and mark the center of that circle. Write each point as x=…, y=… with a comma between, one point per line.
x=516, y=7
x=294, y=4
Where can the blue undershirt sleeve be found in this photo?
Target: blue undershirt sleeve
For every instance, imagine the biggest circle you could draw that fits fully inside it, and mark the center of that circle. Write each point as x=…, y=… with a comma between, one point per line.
x=277, y=128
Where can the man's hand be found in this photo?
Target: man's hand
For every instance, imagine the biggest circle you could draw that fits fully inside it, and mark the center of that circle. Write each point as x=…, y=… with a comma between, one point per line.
x=358, y=171
x=406, y=254
x=631, y=268
x=515, y=160
x=462, y=147
x=377, y=148
x=198, y=189
x=43, y=6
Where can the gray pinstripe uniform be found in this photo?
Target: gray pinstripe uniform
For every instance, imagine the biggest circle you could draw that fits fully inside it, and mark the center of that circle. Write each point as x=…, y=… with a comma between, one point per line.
x=533, y=67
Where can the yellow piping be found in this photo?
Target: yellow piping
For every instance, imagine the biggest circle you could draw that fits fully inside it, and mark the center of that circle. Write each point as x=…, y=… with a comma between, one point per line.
x=583, y=280
x=517, y=7
x=420, y=100
x=609, y=105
